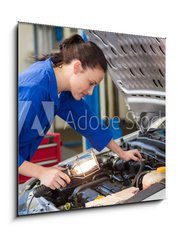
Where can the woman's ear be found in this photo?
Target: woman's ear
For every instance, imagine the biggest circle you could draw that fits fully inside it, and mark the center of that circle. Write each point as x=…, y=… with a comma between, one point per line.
x=77, y=66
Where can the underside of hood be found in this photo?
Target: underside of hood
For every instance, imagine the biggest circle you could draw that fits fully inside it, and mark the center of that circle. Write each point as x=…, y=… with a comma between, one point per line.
x=137, y=67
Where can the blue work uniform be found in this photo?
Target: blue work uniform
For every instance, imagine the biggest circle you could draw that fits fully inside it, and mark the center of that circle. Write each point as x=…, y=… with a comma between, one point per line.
x=39, y=103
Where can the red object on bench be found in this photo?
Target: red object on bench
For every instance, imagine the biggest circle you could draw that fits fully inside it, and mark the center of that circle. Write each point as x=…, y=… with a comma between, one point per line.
x=47, y=154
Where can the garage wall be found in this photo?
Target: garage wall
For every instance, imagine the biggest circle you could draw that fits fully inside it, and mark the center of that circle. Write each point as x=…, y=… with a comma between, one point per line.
x=25, y=46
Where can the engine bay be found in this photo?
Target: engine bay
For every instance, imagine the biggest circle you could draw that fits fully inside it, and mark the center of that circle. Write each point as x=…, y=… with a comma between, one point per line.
x=110, y=180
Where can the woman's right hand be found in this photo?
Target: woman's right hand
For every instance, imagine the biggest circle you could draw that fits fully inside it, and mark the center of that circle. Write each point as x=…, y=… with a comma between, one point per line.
x=53, y=177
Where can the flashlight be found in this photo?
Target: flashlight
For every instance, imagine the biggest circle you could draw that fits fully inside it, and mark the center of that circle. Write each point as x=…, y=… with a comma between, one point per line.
x=84, y=165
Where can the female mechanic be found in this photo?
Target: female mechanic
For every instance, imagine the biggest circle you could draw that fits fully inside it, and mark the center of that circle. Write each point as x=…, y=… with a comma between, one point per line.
x=56, y=85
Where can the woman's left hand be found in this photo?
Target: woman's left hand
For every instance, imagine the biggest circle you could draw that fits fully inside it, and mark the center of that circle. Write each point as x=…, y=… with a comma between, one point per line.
x=132, y=155
x=125, y=155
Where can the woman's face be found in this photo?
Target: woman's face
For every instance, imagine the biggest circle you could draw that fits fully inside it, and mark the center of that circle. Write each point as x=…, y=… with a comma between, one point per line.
x=83, y=81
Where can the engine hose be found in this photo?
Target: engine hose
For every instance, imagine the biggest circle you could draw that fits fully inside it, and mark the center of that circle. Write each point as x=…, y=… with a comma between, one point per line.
x=99, y=175
x=41, y=190
x=32, y=183
x=28, y=208
x=79, y=188
x=116, y=178
x=139, y=176
x=142, y=165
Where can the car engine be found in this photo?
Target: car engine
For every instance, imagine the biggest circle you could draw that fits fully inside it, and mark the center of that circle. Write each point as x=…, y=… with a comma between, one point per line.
x=112, y=181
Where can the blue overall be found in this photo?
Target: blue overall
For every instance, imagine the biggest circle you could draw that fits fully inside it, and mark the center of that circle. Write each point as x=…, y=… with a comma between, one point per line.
x=39, y=103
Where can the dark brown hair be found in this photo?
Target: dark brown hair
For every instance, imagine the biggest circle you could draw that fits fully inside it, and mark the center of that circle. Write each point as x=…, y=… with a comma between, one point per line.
x=75, y=47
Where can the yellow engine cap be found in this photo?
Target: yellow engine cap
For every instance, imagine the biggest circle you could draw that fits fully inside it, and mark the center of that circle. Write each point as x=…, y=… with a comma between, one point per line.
x=99, y=197
x=67, y=206
x=161, y=169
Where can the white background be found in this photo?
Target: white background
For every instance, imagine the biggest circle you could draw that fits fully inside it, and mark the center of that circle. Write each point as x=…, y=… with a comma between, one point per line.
x=142, y=221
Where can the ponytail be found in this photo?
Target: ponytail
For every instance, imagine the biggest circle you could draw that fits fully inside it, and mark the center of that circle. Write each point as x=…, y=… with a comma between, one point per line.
x=68, y=42
x=75, y=47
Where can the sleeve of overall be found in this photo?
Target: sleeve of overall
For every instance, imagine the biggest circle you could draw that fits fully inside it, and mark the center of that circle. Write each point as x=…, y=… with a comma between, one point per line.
x=79, y=116
x=26, y=113
x=28, y=122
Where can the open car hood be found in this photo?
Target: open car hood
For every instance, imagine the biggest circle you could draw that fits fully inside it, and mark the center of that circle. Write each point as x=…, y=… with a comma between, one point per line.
x=137, y=67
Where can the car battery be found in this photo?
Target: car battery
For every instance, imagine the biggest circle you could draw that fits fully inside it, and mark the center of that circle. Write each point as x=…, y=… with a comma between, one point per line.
x=47, y=154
